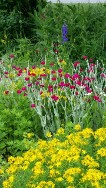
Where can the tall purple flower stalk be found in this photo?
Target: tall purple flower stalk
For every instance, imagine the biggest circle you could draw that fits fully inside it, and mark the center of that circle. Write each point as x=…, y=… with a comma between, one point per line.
x=64, y=33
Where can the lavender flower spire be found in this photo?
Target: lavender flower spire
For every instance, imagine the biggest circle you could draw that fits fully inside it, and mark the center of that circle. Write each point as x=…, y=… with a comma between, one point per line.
x=64, y=29
x=64, y=33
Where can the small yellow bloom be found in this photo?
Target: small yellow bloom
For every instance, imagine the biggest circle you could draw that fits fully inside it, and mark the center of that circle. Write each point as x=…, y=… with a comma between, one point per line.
x=60, y=131
x=1, y=171
x=59, y=179
x=29, y=135
x=102, y=152
x=77, y=127
x=48, y=134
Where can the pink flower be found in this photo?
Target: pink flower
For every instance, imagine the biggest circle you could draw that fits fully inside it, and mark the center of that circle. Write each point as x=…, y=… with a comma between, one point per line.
x=62, y=84
x=90, y=60
x=30, y=84
x=88, y=89
x=76, y=63
x=56, y=51
x=67, y=75
x=78, y=82
x=41, y=92
x=32, y=74
x=60, y=75
x=53, y=72
x=26, y=78
x=6, y=92
x=67, y=84
x=25, y=94
x=19, y=91
x=13, y=67
x=103, y=75
x=55, y=97
x=33, y=67
x=51, y=64
x=39, y=78
x=76, y=93
x=50, y=88
x=33, y=105
x=60, y=70
x=23, y=88
x=43, y=63
x=42, y=85
x=92, y=65
x=81, y=69
x=43, y=75
x=75, y=76
x=72, y=87
x=54, y=78
x=90, y=70
x=5, y=72
x=60, y=60
x=85, y=57
x=37, y=83
x=96, y=98
x=11, y=56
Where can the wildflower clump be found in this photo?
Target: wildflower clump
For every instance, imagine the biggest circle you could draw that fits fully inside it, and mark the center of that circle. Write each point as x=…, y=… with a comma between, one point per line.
x=73, y=160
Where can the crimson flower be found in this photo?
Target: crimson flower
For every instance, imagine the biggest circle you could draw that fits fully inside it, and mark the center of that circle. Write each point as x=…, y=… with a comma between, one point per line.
x=60, y=70
x=37, y=83
x=96, y=98
x=43, y=75
x=33, y=67
x=90, y=60
x=51, y=64
x=76, y=93
x=33, y=105
x=19, y=74
x=81, y=69
x=23, y=88
x=85, y=57
x=30, y=84
x=25, y=94
x=11, y=56
x=72, y=87
x=67, y=75
x=56, y=51
x=62, y=84
x=42, y=85
x=75, y=76
x=76, y=63
x=50, y=88
x=54, y=78
x=103, y=75
x=26, y=78
x=5, y=72
x=6, y=92
x=88, y=89
x=53, y=72
x=43, y=63
x=55, y=97
x=41, y=92
x=19, y=91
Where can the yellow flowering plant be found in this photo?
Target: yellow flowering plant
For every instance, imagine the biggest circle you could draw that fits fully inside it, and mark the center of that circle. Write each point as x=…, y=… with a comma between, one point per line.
x=65, y=160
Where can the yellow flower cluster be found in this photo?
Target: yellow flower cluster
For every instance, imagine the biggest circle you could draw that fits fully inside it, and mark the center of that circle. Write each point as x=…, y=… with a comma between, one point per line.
x=69, y=174
x=37, y=71
x=62, y=161
x=89, y=161
x=100, y=136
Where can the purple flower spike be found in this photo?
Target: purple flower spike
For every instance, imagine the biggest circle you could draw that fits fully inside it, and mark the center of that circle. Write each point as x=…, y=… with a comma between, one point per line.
x=64, y=33
x=64, y=29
